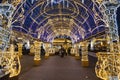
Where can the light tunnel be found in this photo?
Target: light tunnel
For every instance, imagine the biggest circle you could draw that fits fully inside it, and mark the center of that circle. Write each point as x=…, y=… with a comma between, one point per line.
x=44, y=28
x=47, y=19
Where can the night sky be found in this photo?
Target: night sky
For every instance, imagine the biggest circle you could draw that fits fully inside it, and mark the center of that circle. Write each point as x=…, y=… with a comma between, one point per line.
x=118, y=19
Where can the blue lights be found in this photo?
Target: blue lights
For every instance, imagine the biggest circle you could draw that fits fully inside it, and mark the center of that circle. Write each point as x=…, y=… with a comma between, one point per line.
x=37, y=15
x=56, y=1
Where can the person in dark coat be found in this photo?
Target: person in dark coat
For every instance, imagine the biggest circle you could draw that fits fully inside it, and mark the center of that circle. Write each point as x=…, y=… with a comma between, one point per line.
x=42, y=51
x=62, y=51
x=69, y=49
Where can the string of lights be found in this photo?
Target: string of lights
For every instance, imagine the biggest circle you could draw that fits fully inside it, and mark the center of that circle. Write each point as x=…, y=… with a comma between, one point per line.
x=39, y=12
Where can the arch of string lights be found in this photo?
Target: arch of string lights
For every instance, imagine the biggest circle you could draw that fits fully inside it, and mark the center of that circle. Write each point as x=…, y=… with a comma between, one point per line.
x=46, y=19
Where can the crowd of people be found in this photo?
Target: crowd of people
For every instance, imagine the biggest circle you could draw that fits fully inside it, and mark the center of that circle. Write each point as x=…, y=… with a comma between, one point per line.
x=26, y=49
x=61, y=52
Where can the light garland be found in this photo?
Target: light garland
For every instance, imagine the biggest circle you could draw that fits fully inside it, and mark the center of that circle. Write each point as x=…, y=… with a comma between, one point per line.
x=9, y=60
x=51, y=1
x=37, y=50
x=107, y=66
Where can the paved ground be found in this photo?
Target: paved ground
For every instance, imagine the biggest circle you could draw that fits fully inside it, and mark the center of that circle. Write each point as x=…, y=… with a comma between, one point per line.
x=57, y=68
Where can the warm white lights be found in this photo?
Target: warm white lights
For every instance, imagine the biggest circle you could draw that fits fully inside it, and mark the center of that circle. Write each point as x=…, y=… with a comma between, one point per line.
x=37, y=50
x=107, y=66
x=9, y=59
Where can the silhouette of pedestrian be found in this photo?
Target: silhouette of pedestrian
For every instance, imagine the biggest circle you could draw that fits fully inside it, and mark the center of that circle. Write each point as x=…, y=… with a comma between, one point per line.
x=62, y=51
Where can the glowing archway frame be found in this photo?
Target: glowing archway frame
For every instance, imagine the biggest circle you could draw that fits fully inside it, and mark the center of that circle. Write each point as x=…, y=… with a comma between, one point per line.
x=107, y=64
x=67, y=30
x=61, y=30
x=12, y=63
x=90, y=30
x=6, y=11
x=108, y=9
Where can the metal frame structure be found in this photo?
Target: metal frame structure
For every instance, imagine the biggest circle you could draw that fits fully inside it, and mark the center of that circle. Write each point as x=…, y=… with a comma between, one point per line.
x=84, y=18
x=42, y=15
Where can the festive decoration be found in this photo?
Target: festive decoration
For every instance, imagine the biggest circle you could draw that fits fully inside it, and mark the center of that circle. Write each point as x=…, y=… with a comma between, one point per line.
x=9, y=59
x=79, y=19
x=52, y=16
x=20, y=49
x=10, y=62
x=51, y=51
x=73, y=51
x=77, y=55
x=84, y=49
x=37, y=57
x=47, y=47
x=32, y=49
x=14, y=62
x=107, y=66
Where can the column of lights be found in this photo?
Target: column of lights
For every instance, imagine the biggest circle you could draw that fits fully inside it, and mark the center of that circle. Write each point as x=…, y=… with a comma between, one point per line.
x=47, y=47
x=12, y=62
x=37, y=57
x=77, y=55
x=107, y=66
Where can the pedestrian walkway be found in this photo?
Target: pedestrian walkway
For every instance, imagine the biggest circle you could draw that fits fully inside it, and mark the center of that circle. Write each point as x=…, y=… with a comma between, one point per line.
x=57, y=68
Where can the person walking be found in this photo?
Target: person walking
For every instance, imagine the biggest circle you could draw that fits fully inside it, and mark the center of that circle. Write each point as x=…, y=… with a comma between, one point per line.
x=62, y=51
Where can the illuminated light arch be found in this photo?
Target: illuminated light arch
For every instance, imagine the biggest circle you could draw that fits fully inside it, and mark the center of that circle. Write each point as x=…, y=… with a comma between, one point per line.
x=91, y=20
x=56, y=1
